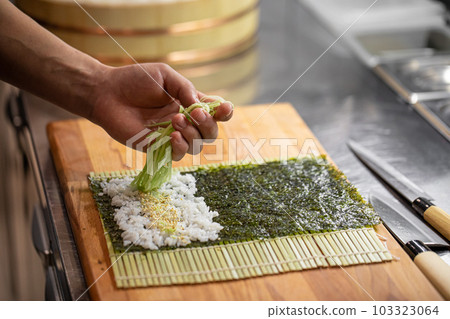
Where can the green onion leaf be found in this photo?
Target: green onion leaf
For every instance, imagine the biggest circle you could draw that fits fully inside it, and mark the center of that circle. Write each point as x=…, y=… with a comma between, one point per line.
x=158, y=166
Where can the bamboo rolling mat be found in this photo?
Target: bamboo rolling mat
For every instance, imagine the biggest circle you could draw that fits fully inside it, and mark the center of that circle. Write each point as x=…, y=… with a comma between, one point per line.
x=246, y=259
x=231, y=261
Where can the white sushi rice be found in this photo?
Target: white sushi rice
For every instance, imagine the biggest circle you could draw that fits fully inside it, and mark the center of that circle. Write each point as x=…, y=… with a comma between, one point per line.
x=195, y=219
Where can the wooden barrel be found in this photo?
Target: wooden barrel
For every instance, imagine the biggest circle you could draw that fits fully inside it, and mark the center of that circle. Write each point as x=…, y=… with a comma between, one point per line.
x=235, y=79
x=175, y=32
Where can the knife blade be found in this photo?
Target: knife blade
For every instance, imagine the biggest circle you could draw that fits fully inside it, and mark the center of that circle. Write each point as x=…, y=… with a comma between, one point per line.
x=419, y=200
x=404, y=225
x=431, y=265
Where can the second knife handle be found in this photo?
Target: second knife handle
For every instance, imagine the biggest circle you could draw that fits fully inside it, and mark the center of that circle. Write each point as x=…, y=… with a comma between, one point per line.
x=434, y=215
x=436, y=270
x=432, y=266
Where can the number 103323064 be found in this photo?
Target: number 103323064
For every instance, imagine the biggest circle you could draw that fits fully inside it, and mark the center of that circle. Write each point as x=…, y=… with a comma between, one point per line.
x=405, y=310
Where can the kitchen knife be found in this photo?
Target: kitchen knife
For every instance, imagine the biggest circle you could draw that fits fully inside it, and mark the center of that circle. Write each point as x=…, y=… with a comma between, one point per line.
x=419, y=200
x=431, y=265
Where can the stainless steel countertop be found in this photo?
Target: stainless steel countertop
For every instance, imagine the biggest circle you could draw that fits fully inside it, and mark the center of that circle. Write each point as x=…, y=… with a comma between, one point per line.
x=339, y=98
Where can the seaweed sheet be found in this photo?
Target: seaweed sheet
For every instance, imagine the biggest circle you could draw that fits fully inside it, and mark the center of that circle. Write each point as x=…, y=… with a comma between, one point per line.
x=268, y=200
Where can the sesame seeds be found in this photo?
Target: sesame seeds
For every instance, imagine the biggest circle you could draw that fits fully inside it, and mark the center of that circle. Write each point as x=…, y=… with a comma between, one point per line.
x=160, y=212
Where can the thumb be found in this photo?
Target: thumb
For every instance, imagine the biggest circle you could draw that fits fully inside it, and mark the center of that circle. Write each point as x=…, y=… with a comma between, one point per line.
x=178, y=86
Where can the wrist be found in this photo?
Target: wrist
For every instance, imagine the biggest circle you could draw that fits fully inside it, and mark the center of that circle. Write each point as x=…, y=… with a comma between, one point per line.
x=74, y=82
x=89, y=93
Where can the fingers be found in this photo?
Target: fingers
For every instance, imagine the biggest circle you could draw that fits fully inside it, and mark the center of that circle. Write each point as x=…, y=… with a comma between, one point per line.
x=190, y=134
x=224, y=112
x=178, y=86
x=179, y=146
x=205, y=124
x=205, y=127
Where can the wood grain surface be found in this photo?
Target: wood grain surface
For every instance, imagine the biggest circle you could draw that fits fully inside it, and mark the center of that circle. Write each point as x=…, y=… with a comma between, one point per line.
x=79, y=147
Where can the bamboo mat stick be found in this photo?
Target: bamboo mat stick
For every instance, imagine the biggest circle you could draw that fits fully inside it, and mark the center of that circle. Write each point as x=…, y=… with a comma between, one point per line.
x=262, y=258
x=238, y=260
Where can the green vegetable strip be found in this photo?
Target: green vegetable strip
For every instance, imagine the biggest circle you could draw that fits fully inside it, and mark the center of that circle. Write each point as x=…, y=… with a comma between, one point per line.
x=158, y=166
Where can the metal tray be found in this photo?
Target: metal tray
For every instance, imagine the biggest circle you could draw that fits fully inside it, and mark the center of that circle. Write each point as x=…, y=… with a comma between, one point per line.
x=418, y=79
x=383, y=46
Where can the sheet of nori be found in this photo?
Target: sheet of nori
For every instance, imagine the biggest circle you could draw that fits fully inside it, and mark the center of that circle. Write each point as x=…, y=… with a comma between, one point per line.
x=268, y=200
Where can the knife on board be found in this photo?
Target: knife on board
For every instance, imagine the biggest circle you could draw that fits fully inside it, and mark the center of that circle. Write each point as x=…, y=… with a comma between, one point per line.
x=419, y=200
x=412, y=240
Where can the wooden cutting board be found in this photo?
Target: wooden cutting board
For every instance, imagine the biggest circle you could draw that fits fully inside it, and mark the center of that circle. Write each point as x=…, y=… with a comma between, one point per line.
x=80, y=147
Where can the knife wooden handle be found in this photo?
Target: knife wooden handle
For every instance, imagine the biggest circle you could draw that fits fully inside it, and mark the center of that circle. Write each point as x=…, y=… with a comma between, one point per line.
x=434, y=215
x=436, y=270
x=439, y=219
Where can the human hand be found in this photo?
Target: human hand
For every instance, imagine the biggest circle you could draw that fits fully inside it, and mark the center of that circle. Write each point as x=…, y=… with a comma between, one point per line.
x=128, y=99
x=121, y=100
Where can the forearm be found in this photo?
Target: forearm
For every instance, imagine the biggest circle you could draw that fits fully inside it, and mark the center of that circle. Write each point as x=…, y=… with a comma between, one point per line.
x=37, y=61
